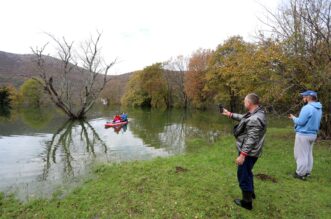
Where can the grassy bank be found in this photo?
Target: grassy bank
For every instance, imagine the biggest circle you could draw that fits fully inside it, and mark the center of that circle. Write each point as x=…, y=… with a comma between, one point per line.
x=200, y=184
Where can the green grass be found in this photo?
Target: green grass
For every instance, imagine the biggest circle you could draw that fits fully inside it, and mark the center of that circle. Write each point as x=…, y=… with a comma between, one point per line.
x=153, y=189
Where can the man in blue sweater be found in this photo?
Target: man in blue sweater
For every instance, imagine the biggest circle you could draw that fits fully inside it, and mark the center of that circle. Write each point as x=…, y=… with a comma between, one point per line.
x=306, y=126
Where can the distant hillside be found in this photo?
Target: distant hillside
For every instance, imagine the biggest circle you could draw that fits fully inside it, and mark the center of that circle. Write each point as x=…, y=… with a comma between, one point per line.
x=115, y=88
x=16, y=68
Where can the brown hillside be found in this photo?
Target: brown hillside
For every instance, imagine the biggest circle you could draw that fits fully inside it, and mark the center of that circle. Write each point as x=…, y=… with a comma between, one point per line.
x=16, y=68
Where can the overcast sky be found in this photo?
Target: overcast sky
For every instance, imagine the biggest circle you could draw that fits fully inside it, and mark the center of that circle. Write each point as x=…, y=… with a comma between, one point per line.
x=136, y=32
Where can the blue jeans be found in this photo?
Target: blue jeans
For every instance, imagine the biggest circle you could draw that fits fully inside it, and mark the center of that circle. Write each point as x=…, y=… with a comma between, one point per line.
x=245, y=175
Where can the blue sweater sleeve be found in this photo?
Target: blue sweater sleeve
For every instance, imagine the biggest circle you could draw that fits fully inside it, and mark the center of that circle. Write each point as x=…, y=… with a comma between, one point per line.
x=304, y=116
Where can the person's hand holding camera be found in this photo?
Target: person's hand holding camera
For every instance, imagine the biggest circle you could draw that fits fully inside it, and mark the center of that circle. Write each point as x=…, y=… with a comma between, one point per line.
x=226, y=112
x=291, y=116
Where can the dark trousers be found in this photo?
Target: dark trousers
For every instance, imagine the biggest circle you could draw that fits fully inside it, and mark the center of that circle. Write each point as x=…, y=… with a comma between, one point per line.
x=245, y=175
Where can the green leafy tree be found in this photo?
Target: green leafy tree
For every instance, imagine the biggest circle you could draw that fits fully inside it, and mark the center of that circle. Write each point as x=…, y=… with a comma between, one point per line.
x=32, y=92
x=147, y=88
x=134, y=95
x=5, y=97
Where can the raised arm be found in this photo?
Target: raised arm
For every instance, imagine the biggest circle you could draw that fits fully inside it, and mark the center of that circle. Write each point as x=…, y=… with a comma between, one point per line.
x=234, y=116
x=303, y=118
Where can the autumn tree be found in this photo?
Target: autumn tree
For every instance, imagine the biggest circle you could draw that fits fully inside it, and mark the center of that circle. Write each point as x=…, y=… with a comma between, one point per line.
x=266, y=71
x=9, y=97
x=304, y=27
x=194, y=80
x=227, y=73
x=15, y=96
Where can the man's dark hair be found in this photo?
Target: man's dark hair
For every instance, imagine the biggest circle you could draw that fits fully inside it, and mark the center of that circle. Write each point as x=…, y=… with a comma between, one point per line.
x=253, y=98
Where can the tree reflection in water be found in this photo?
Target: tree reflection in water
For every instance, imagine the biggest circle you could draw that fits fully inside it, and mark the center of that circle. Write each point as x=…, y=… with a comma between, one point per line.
x=5, y=112
x=68, y=140
x=172, y=129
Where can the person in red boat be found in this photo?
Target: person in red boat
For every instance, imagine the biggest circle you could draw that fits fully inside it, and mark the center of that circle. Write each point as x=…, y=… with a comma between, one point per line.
x=117, y=119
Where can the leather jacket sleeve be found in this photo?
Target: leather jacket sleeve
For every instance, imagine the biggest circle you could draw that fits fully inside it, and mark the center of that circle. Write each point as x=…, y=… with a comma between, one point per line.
x=236, y=116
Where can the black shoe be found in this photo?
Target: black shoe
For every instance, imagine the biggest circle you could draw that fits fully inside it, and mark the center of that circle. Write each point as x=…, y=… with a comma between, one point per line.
x=244, y=204
x=246, y=201
x=307, y=175
x=295, y=175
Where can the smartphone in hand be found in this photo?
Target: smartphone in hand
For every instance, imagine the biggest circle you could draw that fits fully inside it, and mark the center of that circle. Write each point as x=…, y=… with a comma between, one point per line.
x=221, y=108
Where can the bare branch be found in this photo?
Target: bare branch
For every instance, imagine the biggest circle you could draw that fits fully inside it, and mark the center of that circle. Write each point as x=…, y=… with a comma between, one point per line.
x=61, y=92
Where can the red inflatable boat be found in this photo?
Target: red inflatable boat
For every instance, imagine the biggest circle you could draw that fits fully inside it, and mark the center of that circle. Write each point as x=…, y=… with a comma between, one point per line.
x=111, y=124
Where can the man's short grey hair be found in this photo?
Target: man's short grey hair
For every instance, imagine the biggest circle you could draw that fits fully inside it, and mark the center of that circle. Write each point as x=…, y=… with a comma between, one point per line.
x=253, y=98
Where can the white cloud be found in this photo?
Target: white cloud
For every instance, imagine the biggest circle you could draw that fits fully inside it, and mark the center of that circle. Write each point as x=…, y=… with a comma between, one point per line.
x=138, y=33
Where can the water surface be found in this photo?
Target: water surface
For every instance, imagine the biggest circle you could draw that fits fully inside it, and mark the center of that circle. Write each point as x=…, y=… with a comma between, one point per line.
x=41, y=151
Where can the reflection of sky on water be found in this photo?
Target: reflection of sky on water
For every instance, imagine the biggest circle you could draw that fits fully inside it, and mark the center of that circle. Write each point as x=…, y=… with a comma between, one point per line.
x=19, y=157
x=173, y=137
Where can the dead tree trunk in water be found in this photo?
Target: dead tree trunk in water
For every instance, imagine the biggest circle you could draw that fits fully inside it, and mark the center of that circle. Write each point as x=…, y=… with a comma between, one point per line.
x=88, y=63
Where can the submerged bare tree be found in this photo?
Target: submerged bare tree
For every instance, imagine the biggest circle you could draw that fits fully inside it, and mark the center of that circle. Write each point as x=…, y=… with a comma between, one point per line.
x=84, y=63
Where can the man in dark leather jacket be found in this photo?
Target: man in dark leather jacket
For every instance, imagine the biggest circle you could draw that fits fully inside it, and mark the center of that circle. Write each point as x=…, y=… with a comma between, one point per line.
x=250, y=135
